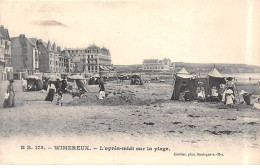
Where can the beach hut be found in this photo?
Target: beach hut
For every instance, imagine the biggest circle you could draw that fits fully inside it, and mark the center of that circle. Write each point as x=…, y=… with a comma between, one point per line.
x=181, y=77
x=34, y=83
x=94, y=80
x=76, y=85
x=215, y=79
x=136, y=80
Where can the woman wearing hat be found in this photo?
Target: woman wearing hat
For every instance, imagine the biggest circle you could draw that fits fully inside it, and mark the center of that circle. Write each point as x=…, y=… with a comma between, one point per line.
x=10, y=91
x=230, y=85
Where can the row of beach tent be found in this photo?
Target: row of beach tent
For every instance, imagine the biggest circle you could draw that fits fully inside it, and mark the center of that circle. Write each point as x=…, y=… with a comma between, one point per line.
x=214, y=78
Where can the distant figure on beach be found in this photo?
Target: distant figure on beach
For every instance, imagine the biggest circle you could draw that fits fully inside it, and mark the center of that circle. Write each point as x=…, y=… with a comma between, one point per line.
x=9, y=97
x=24, y=85
x=200, y=92
x=51, y=92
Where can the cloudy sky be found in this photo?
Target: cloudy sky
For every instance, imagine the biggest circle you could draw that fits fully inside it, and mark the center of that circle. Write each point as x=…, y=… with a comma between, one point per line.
x=200, y=31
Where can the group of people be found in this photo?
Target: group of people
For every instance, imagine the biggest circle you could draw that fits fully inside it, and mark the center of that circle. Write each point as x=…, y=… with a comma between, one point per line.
x=224, y=93
x=58, y=88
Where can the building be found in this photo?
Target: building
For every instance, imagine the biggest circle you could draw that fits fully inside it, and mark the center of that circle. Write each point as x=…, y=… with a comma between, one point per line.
x=68, y=62
x=5, y=50
x=156, y=64
x=50, y=58
x=24, y=54
x=92, y=59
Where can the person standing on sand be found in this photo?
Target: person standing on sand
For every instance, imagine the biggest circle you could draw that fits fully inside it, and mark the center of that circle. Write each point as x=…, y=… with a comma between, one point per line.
x=24, y=85
x=10, y=92
x=229, y=85
x=102, y=89
x=200, y=92
x=230, y=98
x=51, y=91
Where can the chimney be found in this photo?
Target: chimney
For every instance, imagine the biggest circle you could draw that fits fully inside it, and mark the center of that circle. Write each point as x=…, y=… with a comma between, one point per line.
x=40, y=41
x=58, y=49
x=22, y=36
x=1, y=27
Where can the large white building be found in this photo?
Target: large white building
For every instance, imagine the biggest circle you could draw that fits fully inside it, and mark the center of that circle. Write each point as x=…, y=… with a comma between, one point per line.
x=156, y=64
x=92, y=59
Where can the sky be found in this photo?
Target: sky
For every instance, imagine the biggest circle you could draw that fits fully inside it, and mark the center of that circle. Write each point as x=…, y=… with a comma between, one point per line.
x=194, y=31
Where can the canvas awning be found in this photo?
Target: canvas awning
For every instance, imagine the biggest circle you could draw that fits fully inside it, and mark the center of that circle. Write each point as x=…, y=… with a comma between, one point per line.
x=33, y=77
x=104, y=68
x=186, y=76
x=2, y=60
x=75, y=77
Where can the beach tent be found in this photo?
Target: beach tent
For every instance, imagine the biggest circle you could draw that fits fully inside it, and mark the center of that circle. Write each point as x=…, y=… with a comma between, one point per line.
x=80, y=81
x=183, y=71
x=215, y=79
x=178, y=79
x=34, y=83
x=94, y=80
x=136, y=80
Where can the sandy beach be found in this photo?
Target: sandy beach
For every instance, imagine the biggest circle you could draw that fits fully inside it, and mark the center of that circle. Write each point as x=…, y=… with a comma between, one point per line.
x=131, y=115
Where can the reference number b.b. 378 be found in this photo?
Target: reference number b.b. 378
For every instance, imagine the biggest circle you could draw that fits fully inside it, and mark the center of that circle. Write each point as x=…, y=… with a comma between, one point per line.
x=32, y=147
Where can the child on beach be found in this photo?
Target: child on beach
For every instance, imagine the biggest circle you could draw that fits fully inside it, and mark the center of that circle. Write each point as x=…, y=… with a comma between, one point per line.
x=230, y=98
x=59, y=98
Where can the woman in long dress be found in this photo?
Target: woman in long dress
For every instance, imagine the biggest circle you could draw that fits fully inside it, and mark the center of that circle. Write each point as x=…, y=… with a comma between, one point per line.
x=51, y=92
x=10, y=91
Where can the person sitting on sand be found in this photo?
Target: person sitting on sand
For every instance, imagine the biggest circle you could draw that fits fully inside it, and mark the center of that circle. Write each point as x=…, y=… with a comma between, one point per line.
x=230, y=98
x=184, y=92
x=257, y=103
x=246, y=97
x=214, y=94
x=200, y=92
